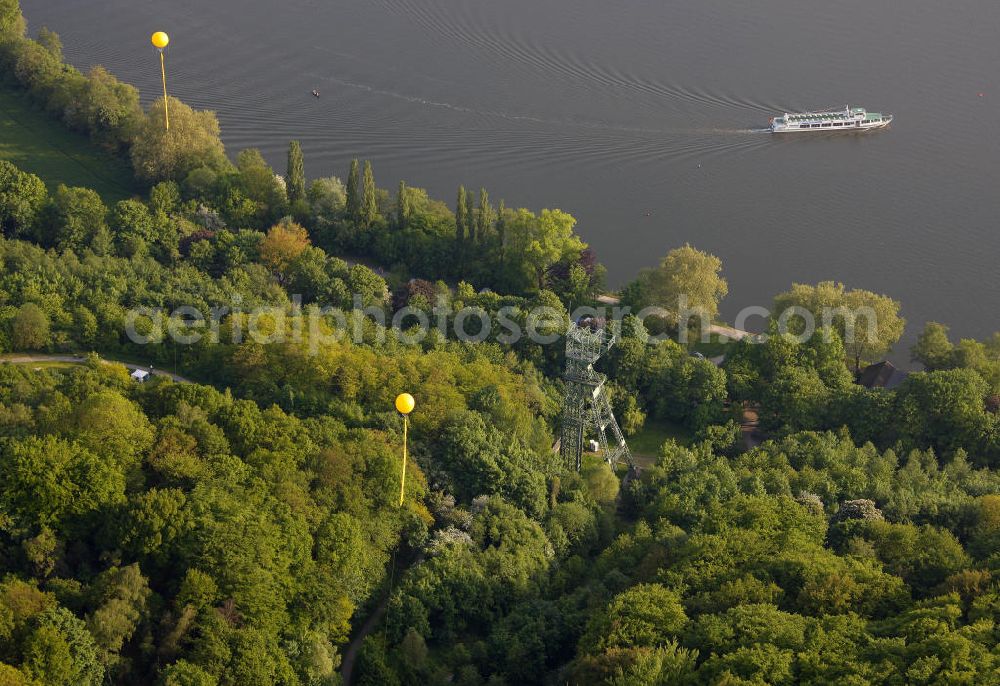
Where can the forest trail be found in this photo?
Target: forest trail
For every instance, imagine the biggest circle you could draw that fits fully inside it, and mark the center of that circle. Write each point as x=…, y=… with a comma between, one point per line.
x=376, y=615
x=351, y=654
x=19, y=358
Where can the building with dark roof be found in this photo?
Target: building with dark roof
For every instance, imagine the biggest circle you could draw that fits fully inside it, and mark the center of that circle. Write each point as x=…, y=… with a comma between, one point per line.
x=882, y=375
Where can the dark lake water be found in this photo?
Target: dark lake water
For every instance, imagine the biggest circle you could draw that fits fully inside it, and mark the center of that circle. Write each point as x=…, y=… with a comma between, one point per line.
x=636, y=116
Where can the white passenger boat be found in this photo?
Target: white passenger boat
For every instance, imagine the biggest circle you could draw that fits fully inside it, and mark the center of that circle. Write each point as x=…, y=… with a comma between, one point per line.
x=847, y=119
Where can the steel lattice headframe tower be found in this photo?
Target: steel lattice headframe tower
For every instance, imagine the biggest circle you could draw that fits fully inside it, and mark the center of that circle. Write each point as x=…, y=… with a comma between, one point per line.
x=585, y=403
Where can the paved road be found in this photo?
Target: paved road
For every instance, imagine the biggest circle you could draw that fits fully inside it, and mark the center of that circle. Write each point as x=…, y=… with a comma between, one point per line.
x=17, y=358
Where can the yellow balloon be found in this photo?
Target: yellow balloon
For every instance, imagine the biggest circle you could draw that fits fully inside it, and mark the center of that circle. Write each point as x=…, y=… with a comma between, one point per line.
x=160, y=40
x=405, y=403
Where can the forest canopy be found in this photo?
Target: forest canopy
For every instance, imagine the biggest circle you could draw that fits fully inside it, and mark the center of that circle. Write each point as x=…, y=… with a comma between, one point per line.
x=238, y=521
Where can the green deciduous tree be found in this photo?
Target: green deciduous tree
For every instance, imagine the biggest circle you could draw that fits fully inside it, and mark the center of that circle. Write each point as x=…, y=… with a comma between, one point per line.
x=644, y=616
x=41, y=73
x=327, y=198
x=29, y=330
x=22, y=197
x=50, y=481
x=688, y=282
x=111, y=110
x=11, y=21
x=933, y=349
x=368, y=285
x=481, y=461
x=75, y=217
x=923, y=556
x=868, y=323
x=48, y=657
x=109, y=423
x=985, y=530
x=122, y=594
x=540, y=241
x=661, y=666
x=192, y=142
x=184, y=673
x=794, y=398
x=131, y=220
x=51, y=41
x=682, y=388
x=295, y=177
x=256, y=182
x=165, y=198
x=944, y=410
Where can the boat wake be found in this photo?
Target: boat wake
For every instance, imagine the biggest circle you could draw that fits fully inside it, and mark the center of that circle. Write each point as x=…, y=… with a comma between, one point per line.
x=532, y=119
x=729, y=132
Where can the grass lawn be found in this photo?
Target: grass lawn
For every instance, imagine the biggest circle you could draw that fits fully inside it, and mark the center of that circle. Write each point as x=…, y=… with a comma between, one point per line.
x=654, y=434
x=38, y=144
x=43, y=365
x=713, y=347
x=51, y=365
x=143, y=362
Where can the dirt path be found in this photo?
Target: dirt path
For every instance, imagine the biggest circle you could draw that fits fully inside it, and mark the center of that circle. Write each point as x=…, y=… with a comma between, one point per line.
x=374, y=618
x=351, y=654
x=18, y=358
x=729, y=332
x=750, y=428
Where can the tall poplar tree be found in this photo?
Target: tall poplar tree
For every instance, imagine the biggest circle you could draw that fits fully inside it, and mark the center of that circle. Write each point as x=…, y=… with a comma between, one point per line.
x=502, y=232
x=461, y=218
x=470, y=219
x=486, y=215
x=403, y=208
x=295, y=178
x=353, y=191
x=369, y=201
